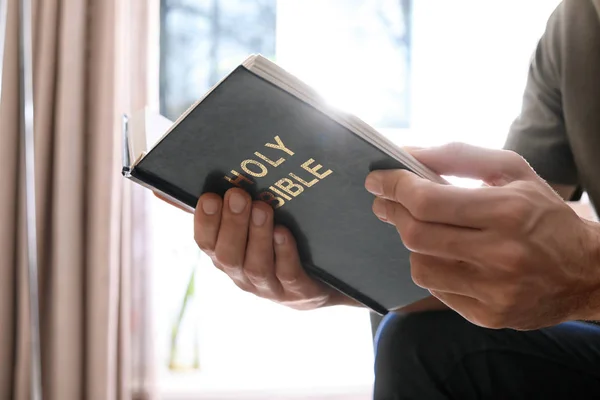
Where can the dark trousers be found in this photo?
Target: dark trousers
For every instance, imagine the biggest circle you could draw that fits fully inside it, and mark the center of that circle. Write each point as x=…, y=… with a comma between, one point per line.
x=439, y=355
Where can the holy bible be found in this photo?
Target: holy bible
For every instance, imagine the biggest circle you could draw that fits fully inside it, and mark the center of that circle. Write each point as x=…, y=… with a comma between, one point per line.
x=263, y=130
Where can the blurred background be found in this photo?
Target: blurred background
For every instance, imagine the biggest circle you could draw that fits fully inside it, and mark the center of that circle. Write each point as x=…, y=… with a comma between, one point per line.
x=422, y=72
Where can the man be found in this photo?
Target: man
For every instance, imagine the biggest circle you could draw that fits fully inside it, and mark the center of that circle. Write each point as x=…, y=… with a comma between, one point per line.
x=516, y=266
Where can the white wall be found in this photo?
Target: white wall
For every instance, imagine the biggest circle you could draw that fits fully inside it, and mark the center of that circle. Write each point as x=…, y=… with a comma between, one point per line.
x=470, y=61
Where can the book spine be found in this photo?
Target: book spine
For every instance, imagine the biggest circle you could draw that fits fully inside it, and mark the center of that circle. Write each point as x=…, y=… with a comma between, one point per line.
x=335, y=283
x=157, y=185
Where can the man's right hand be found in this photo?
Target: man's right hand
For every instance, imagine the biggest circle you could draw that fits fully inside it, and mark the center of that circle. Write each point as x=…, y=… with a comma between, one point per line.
x=240, y=237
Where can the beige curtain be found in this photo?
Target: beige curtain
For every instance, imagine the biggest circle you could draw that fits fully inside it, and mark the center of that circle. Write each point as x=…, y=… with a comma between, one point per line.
x=89, y=69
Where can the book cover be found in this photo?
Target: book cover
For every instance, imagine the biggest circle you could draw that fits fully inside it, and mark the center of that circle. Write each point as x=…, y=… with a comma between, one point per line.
x=250, y=133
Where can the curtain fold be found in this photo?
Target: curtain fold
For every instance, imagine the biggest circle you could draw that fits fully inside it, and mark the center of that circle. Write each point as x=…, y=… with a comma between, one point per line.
x=89, y=68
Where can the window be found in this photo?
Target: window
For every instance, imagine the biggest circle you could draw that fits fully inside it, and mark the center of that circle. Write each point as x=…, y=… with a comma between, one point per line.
x=328, y=44
x=203, y=40
x=227, y=338
x=422, y=72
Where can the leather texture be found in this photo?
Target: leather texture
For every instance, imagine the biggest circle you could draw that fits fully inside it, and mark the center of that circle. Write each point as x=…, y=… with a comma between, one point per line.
x=340, y=240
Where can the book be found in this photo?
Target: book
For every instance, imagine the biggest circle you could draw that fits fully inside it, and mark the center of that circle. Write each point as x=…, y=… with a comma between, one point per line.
x=264, y=130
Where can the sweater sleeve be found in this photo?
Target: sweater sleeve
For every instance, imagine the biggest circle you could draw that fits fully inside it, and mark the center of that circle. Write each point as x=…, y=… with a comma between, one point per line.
x=539, y=133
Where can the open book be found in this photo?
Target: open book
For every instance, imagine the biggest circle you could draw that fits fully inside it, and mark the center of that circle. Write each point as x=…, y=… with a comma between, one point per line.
x=262, y=129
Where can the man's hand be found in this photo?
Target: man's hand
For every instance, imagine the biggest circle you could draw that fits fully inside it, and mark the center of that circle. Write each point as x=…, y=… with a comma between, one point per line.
x=512, y=254
x=260, y=258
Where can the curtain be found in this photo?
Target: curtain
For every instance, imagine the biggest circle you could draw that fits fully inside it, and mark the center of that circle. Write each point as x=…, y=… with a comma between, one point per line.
x=89, y=68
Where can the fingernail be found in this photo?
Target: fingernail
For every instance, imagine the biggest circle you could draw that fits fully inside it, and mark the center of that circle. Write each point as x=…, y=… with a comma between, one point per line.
x=279, y=238
x=237, y=203
x=258, y=216
x=373, y=185
x=379, y=209
x=210, y=206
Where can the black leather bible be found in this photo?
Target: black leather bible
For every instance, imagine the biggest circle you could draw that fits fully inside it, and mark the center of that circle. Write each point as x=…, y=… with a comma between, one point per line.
x=263, y=130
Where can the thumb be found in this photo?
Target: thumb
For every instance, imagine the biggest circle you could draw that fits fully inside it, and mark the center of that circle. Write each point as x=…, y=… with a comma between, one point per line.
x=494, y=167
x=410, y=149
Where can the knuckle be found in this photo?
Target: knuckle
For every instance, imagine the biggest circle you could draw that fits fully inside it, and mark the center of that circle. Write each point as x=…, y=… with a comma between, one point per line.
x=455, y=147
x=385, y=210
x=525, y=186
x=487, y=318
x=412, y=234
x=289, y=278
x=390, y=211
x=492, y=320
x=505, y=298
x=515, y=211
x=418, y=276
x=256, y=275
x=226, y=260
x=530, y=192
x=516, y=161
x=422, y=202
x=514, y=257
x=518, y=214
x=521, y=206
x=216, y=264
x=202, y=242
x=512, y=156
x=394, y=186
x=243, y=286
x=377, y=205
x=418, y=271
x=204, y=245
x=508, y=299
x=394, y=183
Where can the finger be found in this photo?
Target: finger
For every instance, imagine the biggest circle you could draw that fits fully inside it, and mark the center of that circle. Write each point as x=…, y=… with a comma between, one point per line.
x=230, y=249
x=259, y=265
x=171, y=202
x=289, y=271
x=494, y=167
x=446, y=275
x=431, y=202
x=239, y=280
x=410, y=149
x=439, y=240
x=207, y=219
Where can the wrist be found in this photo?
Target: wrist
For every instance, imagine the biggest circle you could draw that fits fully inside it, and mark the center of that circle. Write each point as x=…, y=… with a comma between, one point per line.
x=591, y=309
x=590, y=305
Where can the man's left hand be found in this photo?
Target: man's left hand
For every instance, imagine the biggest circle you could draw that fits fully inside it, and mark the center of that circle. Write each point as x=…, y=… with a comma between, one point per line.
x=511, y=254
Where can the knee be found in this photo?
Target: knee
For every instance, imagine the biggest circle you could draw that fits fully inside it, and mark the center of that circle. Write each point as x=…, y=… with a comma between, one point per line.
x=427, y=340
x=405, y=339
x=423, y=340
x=408, y=349
x=414, y=353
